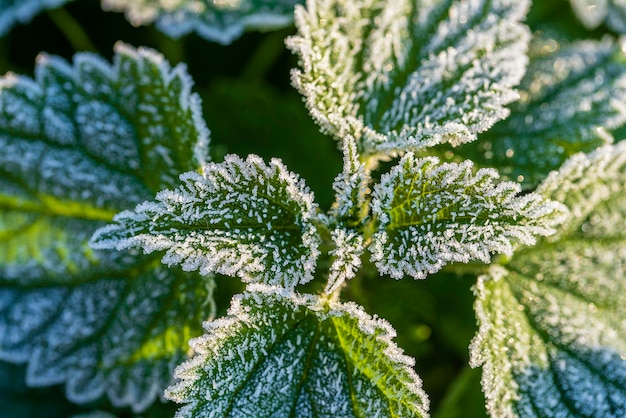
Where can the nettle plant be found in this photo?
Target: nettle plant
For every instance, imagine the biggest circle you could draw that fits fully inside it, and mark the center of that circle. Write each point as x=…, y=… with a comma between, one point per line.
x=115, y=223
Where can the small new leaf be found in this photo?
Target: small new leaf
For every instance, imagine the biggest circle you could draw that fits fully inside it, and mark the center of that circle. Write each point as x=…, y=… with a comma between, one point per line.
x=346, y=257
x=572, y=98
x=279, y=354
x=219, y=21
x=238, y=218
x=430, y=214
x=593, y=13
x=404, y=75
x=22, y=11
x=552, y=325
x=78, y=144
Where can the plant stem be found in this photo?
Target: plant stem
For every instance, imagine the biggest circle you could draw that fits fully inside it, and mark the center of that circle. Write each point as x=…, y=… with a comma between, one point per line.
x=72, y=31
x=265, y=55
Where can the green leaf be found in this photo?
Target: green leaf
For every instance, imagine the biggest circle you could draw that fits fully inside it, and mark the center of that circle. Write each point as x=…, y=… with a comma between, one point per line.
x=573, y=97
x=405, y=75
x=552, y=337
x=280, y=354
x=78, y=144
x=431, y=213
x=22, y=11
x=592, y=13
x=238, y=218
x=345, y=256
x=219, y=21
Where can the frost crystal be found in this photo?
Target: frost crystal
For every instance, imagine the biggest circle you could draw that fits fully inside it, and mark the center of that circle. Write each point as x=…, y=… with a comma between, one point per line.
x=22, y=11
x=346, y=258
x=403, y=75
x=430, y=214
x=281, y=354
x=552, y=336
x=592, y=13
x=239, y=218
x=72, y=142
x=573, y=97
x=222, y=21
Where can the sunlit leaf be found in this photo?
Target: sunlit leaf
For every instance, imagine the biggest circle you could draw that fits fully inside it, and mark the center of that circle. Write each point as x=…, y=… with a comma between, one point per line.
x=221, y=20
x=573, y=98
x=430, y=214
x=78, y=144
x=240, y=218
x=281, y=354
x=404, y=75
x=552, y=338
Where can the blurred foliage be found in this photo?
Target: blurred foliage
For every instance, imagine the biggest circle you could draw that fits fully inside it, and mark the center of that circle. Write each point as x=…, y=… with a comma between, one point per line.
x=250, y=107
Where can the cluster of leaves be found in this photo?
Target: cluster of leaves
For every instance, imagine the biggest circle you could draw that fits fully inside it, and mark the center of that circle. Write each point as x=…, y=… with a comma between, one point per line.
x=105, y=176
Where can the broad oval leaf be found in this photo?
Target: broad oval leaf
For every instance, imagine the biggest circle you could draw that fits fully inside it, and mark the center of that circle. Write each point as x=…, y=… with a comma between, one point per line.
x=280, y=354
x=593, y=13
x=431, y=213
x=78, y=144
x=240, y=218
x=552, y=337
x=573, y=98
x=219, y=21
x=22, y=11
x=404, y=75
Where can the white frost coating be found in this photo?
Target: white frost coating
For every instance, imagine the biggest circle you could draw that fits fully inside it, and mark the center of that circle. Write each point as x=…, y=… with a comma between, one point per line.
x=573, y=97
x=22, y=11
x=239, y=218
x=282, y=354
x=351, y=186
x=586, y=181
x=404, y=75
x=346, y=256
x=72, y=142
x=220, y=21
x=552, y=327
x=430, y=214
x=592, y=13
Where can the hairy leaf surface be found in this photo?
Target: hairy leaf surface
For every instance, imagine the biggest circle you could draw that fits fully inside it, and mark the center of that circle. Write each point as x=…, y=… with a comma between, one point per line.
x=573, y=97
x=22, y=11
x=404, y=75
x=78, y=144
x=552, y=337
x=593, y=13
x=219, y=21
x=238, y=218
x=281, y=354
x=430, y=214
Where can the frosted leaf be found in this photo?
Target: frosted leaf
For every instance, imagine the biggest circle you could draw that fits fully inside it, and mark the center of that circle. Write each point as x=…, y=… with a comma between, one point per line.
x=592, y=13
x=78, y=144
x=239, y=218
x=430, y=214
x=22, y=11
x=404, y=75
x=221, y=21
x=281, y=354
x=573, y=97
x=552, y=336
x=346, y=257
x=351, y=187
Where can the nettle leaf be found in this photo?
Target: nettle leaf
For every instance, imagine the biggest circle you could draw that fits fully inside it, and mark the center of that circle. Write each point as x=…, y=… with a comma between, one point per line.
x=346, y=257
x=405, y=75
x=281, y=354
x=219, y=21
x=78, y=144
x=573, y=96
x=431, y=213
x=22, y=11
x=552, y=337
x=592, y=13
x=239, y=218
